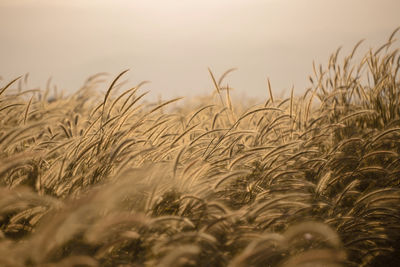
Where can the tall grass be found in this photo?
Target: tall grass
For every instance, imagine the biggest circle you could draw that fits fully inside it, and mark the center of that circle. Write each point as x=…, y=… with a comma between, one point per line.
x=91, y=180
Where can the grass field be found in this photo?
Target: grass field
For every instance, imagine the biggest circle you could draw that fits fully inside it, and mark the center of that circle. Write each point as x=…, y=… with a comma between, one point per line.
x=111, y=180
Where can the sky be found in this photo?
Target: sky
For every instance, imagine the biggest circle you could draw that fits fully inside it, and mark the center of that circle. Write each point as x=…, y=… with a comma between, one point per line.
x=172, y=42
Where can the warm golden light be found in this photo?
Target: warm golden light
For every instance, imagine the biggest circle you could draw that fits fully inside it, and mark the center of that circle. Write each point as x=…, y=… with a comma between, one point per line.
x=281, y=162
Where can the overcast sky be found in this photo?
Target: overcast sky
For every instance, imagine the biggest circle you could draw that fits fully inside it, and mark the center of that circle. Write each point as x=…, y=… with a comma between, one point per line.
x=172, y=42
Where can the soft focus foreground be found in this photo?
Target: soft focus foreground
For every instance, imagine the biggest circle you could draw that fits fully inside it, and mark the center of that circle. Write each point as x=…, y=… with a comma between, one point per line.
x=112, y=180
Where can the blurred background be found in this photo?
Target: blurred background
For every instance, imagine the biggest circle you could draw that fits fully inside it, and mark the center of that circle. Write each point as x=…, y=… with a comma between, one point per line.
x=172, y=42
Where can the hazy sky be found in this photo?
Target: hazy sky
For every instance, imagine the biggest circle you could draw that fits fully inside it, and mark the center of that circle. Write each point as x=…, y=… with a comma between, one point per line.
x=172, y=42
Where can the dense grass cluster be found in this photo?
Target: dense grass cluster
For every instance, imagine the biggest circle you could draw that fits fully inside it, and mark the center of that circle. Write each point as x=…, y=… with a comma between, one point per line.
x=111, y=180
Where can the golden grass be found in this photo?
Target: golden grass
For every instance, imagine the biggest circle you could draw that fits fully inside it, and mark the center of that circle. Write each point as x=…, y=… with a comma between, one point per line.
x=88, y=180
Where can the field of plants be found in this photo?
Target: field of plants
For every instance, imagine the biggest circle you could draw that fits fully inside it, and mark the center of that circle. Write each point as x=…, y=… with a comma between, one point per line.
x=109, y=179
